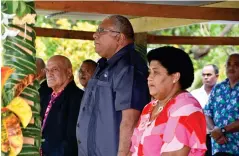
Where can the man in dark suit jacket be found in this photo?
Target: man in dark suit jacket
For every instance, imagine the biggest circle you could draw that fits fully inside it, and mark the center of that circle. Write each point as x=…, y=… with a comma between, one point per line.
x=60, y=109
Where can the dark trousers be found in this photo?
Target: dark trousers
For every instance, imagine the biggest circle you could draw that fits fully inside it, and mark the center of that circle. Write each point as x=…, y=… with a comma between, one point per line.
x=209, y=146
x=223, y=154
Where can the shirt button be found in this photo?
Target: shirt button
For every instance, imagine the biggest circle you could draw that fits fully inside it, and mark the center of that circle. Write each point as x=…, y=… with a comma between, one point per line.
x=78, y=141
x=83, y=109
x=78, y=125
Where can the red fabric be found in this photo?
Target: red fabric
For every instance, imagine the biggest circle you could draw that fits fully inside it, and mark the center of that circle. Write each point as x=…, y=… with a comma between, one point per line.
x=53, y=98
x=181, y=123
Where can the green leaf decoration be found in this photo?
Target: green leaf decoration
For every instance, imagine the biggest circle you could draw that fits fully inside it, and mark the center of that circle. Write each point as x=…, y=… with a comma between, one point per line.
x=4, y=154
x=28, y=10
x=2, y=28
x=19, y=53
x=21, y=11
x=29, y=150
x=12, y=6
x=6, y=98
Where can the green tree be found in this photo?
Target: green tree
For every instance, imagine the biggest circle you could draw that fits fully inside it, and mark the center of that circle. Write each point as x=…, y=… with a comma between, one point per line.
x=217, y=55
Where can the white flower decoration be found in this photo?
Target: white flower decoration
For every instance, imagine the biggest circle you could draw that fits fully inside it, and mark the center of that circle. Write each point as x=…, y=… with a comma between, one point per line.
x=8, y=32
x=27, y=19
x=6, y=17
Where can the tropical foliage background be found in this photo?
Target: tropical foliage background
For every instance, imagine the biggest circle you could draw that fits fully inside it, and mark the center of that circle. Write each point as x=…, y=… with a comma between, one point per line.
x=79, y=50
x=215, y=54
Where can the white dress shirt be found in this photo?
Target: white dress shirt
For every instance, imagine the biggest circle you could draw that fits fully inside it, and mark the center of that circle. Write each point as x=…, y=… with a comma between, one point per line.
x=201, y=95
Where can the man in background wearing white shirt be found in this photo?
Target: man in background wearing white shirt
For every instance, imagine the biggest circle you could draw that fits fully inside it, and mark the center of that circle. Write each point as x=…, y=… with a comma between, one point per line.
x=209, y=79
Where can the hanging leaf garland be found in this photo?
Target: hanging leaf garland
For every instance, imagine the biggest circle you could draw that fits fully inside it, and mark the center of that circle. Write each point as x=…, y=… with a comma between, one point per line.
x=20, y=134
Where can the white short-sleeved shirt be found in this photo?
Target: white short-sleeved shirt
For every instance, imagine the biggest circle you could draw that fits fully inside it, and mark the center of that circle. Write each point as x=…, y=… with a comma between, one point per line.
x=201, y=95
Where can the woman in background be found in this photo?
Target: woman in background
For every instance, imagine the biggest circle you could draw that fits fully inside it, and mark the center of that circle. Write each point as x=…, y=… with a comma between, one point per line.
x=173, y=123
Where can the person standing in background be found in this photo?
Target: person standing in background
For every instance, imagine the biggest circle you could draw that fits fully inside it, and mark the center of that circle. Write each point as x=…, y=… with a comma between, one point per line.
x=222, y=111
x=209, y=78
x=44, y=90
x=60, y=109
x=86, y=71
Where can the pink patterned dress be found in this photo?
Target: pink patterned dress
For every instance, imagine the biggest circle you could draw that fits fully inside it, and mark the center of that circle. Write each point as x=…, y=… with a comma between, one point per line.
x=181, y=123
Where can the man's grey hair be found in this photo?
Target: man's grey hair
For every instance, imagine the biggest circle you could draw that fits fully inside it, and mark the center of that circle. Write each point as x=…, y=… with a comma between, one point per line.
x=215, y=68
x=123, y=25
x=233, y=54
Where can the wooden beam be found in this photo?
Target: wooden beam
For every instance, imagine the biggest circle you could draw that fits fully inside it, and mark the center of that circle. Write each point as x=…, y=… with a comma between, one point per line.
x=139, y=9
x=151, y=39
x=156, y=23
x=59, y=33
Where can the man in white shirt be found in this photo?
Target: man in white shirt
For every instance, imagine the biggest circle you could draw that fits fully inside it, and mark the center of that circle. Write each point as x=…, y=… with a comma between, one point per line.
x=209, y=78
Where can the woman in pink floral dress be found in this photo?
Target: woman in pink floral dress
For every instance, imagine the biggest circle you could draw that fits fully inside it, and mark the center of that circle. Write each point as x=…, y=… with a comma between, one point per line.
x=173, y=124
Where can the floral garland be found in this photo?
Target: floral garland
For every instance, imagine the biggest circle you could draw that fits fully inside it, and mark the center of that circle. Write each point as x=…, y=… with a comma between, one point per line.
x=20, y=121
x=17, y=13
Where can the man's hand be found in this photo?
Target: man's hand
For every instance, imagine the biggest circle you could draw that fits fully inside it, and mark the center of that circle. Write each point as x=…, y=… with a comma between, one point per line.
x=222, y=140
x=216, y=133
x=121, y=153
x=130, y=118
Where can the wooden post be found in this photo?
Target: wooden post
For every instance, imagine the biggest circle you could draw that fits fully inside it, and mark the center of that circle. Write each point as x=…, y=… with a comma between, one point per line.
x=141, y=44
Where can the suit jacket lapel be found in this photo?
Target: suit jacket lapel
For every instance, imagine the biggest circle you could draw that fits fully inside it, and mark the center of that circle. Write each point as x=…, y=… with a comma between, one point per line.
x=59, y=101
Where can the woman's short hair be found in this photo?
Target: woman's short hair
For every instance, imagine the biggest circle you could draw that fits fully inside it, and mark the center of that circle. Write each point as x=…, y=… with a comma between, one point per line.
x=174, y=60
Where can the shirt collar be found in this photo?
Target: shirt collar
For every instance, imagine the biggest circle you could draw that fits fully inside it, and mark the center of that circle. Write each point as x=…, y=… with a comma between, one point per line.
x=102, y=62
x=67, y=87
x=120, y=53
x=228, y=83
x=202, y=89
x=55, y=94
x=42, y=81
